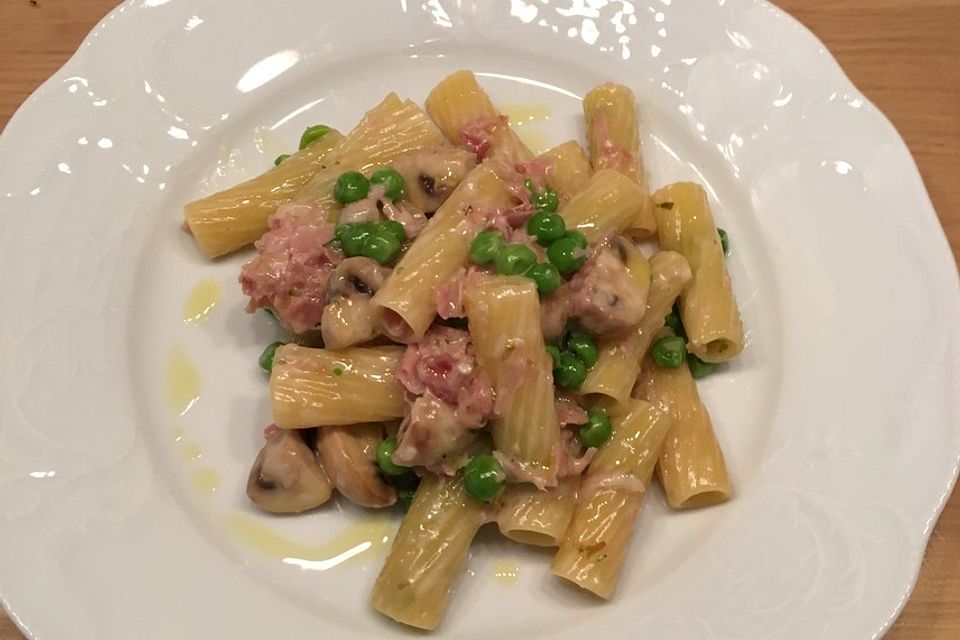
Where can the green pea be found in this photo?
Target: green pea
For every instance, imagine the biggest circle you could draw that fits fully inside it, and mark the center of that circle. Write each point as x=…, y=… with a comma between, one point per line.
x=578, y=238
x=280, y=158
x=352, y=237
x=351, y=186
x=546, y=227
x=724, y=241
x=483, y=477
x=597, y=430
x=669, y=352
x=554, y=352
x=312, y=134
x=266, y=358
x=395, y=229
x=381, y=246
x=514, y=260
x=405, y=498
x=565, y=255
x=571, y=373
x=485, y=247
x=546, y=200
x=673, y=321
x=384, y=452
x=699, y=368
x=546, y=277
x=584, y=347
x=390, y=178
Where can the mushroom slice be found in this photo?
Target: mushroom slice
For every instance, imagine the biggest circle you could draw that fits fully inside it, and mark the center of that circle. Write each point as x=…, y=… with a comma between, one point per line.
x=286, y=476
x=349, y=455
x=350, y=317
x=432, y=173
x=605, y=296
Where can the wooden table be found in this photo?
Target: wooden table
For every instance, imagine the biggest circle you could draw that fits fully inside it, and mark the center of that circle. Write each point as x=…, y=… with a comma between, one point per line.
x=904, y=54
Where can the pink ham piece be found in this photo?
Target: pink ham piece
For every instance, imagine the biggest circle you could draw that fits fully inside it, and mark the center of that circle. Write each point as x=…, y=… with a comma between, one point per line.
x=291, y=272
x=569, y=413
x=477, y=134
x=450, y=397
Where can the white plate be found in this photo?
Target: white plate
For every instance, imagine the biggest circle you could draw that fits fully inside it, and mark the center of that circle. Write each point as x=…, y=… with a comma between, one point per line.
x=840, y=422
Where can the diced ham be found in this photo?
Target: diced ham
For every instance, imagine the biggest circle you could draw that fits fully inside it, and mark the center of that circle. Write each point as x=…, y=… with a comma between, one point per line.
x=537, y=170
x=569, y=413
x=291, y=272
x=567, y=457
x=525, y=472
x=477, y=134
x=444, y=364
x=430, y=433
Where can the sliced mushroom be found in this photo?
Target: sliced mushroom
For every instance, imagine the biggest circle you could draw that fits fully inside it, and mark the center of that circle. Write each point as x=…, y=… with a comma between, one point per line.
x=605, y=295
x=350, y=316
x=349, y=455
x=431, y=433
x=432, y=173
x=286, y=476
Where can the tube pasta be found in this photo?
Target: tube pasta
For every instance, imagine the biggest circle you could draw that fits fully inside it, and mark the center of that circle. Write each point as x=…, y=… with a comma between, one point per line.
x=317, y=387
x=408, y=296
x=427, y=552
x=386, y=132
x=617, y=368
x=611, y=114
x=231, y=219
x=607, y=204
x=569, y=170
x=708, y=307
x=538, y=518
x=504, y=319
x=611, y=496
x=458, y=100
x=692, y=469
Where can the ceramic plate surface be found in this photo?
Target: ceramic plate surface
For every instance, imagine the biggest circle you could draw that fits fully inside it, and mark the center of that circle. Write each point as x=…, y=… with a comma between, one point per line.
x=127, y=424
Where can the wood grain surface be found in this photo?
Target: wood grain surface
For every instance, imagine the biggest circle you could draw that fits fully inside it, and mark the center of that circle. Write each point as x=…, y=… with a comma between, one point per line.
x=903, y=54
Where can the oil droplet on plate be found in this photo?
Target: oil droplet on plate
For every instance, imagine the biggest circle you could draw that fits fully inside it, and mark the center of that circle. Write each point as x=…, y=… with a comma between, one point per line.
x=506, y=572
x=201, y=301
x=182, y=381
x=528, y=121
x=191, y=451
x=205, y=480
x=366, y=535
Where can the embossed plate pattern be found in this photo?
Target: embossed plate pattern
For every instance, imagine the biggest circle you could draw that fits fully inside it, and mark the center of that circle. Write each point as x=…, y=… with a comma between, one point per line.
x=120, y=510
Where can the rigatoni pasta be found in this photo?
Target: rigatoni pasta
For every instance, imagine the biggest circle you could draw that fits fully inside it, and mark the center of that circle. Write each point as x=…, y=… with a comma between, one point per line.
x=318, y=387
x=611, y=495
x=692, y=469
x=465, y=114
x=231, y=219
x=607, y=204
x=484, y=317
x=504, y=317
x=539, y=518
x=708, y=306
x=408, y=295
x=427, y=553
x=612, y=133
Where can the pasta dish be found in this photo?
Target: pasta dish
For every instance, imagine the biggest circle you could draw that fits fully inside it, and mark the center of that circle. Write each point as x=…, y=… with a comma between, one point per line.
x=482, y=335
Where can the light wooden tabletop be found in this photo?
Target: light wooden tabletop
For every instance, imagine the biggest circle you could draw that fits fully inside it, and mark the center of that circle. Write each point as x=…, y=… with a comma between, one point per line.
x=903, y=54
